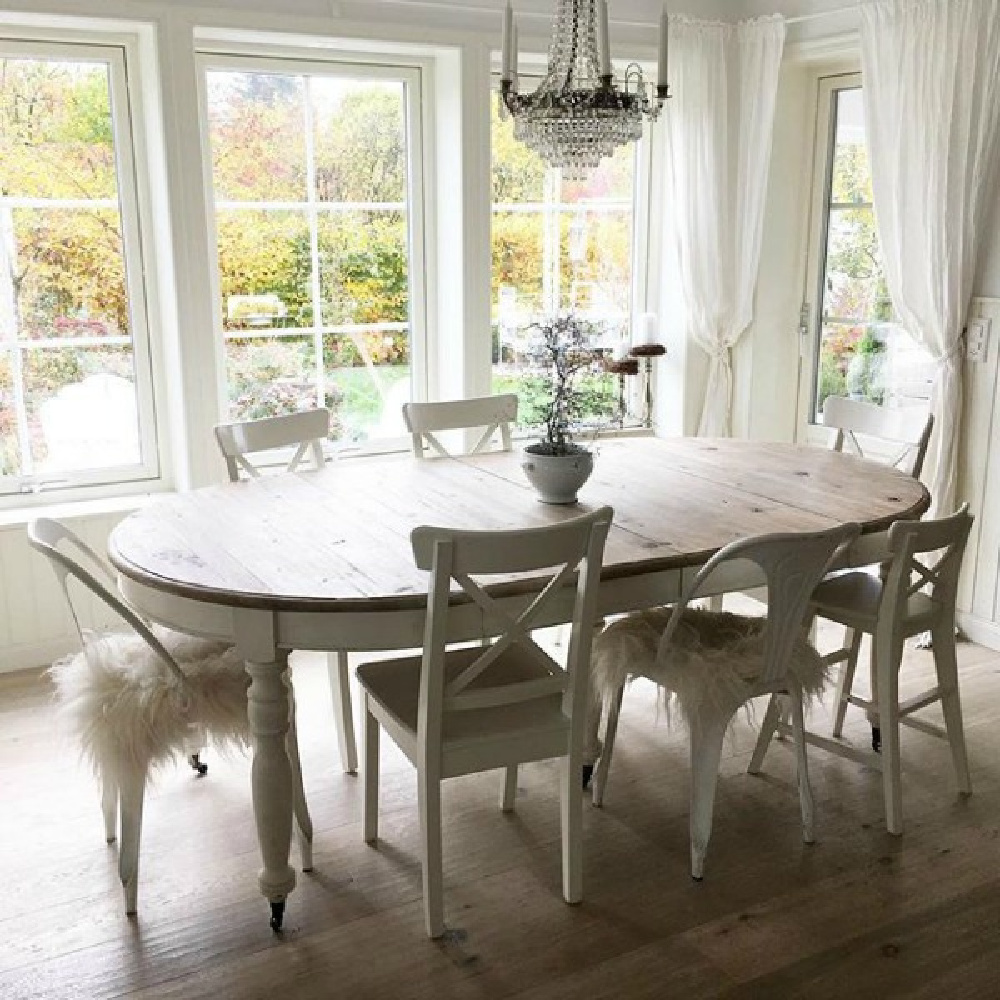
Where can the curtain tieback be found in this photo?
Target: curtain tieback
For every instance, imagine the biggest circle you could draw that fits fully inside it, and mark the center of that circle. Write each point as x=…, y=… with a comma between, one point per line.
x=955, y=353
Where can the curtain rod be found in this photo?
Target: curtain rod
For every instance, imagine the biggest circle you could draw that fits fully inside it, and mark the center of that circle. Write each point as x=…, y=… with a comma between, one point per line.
x=804, y=18
x=539, y=16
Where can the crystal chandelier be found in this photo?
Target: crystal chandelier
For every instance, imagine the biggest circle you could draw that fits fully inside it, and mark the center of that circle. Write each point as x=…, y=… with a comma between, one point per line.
x=578, y=114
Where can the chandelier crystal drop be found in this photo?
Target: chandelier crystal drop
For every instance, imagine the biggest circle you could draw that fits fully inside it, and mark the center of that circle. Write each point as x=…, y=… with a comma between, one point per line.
x=578, y=114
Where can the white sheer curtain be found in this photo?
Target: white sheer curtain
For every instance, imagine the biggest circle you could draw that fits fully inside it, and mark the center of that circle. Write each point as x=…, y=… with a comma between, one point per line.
x=931, y=83
x=719, y=127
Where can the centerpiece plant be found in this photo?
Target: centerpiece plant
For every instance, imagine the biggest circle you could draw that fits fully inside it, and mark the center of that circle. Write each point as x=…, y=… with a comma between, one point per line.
x=556, y=465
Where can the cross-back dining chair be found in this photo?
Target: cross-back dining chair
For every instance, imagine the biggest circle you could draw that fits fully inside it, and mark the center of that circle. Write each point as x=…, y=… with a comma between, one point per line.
x=715, y=661
x=468, y=709
x=494, y=414
x=305, y=431
x=139, y=698
x=918, y=594
x=904, y=430
x=892, y=436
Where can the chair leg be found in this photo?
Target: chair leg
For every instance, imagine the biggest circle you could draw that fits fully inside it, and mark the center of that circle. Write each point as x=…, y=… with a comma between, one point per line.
x=109, y=806
x=299, y=806
x=845, y=680
x=604, y=762
x=509, y=789
x=343, y=714
x=132, y=790
x=571, y=817
x=885, y=661
x=805, y=789
x=706, y=751
x=946, y=665
x=767, y=728
x=369, y=807
x=429, y=802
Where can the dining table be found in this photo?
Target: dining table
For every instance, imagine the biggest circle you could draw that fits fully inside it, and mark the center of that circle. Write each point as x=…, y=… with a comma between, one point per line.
x=321, y=560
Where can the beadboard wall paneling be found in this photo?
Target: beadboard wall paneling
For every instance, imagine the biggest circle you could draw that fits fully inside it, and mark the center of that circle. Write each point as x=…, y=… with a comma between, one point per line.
x=35, y=626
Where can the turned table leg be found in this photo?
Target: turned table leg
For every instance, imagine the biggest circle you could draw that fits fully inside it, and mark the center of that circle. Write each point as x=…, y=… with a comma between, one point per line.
x=269, y=708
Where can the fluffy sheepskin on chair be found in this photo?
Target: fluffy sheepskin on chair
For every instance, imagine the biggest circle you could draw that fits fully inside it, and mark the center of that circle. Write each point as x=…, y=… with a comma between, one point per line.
x=130, y=713
x=711, y=663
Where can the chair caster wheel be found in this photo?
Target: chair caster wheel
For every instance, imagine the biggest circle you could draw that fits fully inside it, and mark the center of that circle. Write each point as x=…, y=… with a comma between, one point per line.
x=196, y=763
x=876, y=739
x=277, y=916
x=588, y=773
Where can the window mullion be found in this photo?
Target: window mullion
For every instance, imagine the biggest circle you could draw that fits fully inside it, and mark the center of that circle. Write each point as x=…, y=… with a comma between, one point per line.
x=311, y=208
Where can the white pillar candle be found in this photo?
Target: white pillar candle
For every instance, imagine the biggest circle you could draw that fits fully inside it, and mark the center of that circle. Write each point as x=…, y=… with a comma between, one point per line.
x=661, y=66
x=507, y=54
x=647, y=328
x=603, y=38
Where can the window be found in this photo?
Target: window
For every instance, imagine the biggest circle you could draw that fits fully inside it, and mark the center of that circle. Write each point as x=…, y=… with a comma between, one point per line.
x=76, y=405
x=862, y=352
x=559, y=246
x=313, y=173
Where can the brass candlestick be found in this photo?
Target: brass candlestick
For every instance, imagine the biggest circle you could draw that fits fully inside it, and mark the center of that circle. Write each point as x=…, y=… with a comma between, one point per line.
x=647, y=352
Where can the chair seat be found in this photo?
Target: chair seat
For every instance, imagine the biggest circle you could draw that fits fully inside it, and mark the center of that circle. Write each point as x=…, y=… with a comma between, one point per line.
x=394, y=687
x=129, y=712
x=714, y=661
x=853, y=599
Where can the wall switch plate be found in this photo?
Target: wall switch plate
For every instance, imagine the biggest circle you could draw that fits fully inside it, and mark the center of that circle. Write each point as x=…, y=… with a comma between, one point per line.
x=977, y=337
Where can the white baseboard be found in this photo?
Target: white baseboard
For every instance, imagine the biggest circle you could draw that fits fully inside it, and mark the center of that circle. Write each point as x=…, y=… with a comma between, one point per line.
x=25, y=656
x=986, y=633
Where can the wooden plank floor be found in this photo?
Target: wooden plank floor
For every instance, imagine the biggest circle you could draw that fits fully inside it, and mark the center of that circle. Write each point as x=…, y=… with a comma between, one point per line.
x=859, y=912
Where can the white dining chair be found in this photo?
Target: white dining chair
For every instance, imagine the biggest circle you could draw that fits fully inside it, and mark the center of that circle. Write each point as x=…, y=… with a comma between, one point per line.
x=891, y=436
x=917, y=595
x=469, y=709
x=138, y=699
x=896, y=436
x=713, y=662
x=494, y=414
x=305, y=431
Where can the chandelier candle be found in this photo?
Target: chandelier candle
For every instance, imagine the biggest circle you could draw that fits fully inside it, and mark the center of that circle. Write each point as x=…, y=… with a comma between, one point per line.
x=579, y=114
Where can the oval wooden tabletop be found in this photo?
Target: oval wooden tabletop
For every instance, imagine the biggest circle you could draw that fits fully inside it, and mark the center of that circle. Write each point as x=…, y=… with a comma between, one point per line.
x=338, y=539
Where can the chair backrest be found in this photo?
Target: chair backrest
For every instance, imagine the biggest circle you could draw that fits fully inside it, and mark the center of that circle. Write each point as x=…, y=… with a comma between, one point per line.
x=492, y=413
x=572, y=551
x=793, y=564
x=907, y=427
x=941, y=543
x=307, y=429
x=64, y=549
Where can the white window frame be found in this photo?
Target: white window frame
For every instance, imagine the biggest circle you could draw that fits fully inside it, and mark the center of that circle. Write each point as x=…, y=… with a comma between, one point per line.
x=61, y=487
x=347, y=66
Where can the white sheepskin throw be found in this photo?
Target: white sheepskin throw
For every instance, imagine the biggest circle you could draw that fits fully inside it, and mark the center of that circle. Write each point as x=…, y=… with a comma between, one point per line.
x=130, y=713
x=711, y=664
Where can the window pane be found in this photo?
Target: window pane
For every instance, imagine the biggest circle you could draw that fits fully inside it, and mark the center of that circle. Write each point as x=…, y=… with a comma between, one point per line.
x=363, y=268
x=852, y=180
x=855, y=278
x=10, y=449
x=256, y=124
x=329, y=255
x=558, y=246
x=367, y=383
x=360, y=137
x=862, y=353
x=71, y=271
x=56, y=137
x=81, y=408
x=270, y=376
x=72, y=394
x=265, y=268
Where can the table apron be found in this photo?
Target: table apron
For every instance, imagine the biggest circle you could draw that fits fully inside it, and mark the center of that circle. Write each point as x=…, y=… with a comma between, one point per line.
x=365, y=631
